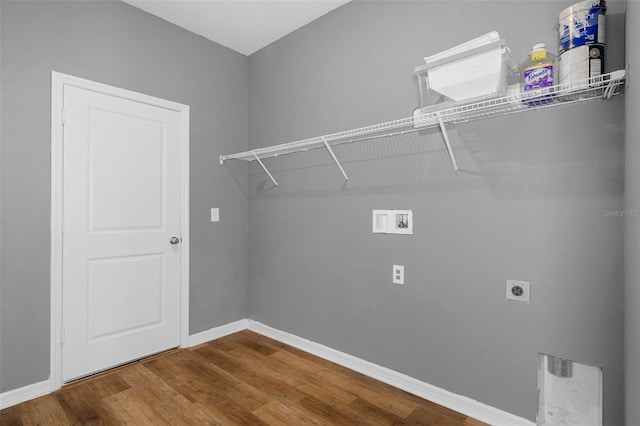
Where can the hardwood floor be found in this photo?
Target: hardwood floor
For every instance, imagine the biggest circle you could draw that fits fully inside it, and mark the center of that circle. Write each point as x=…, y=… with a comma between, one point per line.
x=241, y=379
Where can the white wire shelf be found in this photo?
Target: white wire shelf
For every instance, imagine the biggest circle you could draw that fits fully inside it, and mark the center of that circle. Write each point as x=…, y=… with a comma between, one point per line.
x=604, y=86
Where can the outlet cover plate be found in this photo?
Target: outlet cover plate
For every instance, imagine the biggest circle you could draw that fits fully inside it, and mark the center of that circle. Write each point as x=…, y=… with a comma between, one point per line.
x=518, y=291
x=398, y=274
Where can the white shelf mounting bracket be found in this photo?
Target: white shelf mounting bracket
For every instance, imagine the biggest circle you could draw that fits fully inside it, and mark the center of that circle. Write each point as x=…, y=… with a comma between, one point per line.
x=446, y=141
x=264, y=168
x=324, y=141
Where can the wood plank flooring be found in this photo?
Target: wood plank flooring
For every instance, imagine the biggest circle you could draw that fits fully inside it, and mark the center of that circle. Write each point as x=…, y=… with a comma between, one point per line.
x=241, y=379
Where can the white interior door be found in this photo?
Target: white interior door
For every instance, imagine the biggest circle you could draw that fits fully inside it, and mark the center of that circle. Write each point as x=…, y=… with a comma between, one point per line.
x=122, y=204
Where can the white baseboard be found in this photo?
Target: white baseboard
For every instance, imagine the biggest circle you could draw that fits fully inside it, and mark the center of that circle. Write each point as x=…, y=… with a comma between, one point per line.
x=25, y=393
x=459, y=403
x=217, y=332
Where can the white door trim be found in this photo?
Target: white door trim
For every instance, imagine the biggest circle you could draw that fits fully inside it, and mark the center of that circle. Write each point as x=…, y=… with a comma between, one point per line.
x=58, y=82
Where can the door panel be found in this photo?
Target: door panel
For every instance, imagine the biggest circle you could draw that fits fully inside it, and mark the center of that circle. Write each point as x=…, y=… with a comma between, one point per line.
x=109, y=291
x=115, y=163
x=122, y=203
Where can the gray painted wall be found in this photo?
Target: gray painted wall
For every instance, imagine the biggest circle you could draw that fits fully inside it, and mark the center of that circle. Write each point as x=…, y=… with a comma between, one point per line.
x=113, y=43
x=536, y=212
x=632, y=224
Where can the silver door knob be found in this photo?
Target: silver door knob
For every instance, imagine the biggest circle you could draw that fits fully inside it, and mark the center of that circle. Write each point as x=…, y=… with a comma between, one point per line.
x=174, y=240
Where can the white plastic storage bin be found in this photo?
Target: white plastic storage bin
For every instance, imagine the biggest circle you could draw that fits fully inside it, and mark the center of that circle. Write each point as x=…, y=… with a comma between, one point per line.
x=478, y=68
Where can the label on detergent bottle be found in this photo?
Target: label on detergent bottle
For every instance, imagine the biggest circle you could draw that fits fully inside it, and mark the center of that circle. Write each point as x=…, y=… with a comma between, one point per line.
x=538, y=76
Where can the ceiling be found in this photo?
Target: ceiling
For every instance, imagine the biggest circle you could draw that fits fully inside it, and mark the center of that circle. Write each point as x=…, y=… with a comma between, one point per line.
x=242, y=25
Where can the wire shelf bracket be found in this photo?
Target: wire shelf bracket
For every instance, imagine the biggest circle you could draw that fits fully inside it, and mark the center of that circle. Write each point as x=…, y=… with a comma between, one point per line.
x=445, y=135
x=599, y=87
x=324, y=141
x=264, y=168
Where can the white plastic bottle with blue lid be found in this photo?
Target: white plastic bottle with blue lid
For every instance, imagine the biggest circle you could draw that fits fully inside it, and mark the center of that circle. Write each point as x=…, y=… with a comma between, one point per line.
x=539, y=74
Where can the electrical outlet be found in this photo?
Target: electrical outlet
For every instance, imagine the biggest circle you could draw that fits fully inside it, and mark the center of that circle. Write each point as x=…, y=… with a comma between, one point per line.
x=518, y=291
x=398, y=274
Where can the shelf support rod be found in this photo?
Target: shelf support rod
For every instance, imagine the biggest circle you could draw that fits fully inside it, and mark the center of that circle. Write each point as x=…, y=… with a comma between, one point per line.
x=324, y=141
x=263, y=167
x=446, y=141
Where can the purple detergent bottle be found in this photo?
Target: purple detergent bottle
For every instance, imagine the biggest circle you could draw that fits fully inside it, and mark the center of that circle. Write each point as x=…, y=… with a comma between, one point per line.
x=539, y=76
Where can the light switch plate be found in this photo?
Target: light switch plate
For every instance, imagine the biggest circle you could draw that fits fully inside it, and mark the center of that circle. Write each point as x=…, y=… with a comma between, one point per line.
x=215, y=215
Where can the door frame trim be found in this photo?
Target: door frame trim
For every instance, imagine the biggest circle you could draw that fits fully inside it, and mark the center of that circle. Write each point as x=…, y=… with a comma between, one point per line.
x=58, y=82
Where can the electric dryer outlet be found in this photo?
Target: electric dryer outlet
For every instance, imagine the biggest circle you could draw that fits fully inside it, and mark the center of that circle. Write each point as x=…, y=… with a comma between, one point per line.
x=518, y=291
